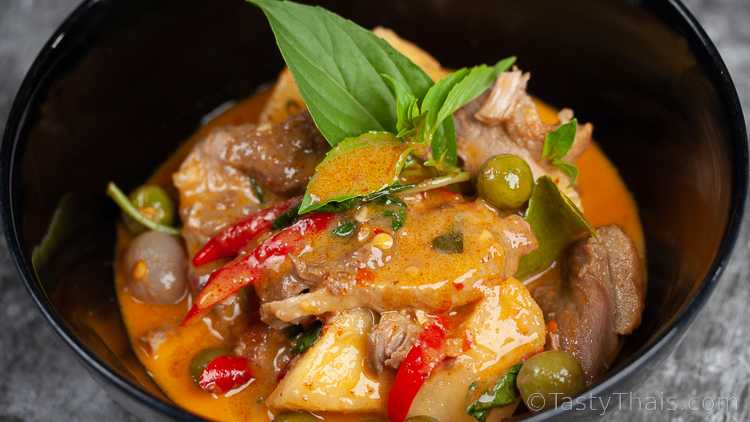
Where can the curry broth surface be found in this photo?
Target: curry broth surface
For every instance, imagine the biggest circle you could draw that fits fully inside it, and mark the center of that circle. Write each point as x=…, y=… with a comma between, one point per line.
x=166, y=354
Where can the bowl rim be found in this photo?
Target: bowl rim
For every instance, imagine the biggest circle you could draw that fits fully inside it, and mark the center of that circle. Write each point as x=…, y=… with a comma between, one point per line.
x=674, y=14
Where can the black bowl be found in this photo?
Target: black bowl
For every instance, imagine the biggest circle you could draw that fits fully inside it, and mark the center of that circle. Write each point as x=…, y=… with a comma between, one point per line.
x=121, y=83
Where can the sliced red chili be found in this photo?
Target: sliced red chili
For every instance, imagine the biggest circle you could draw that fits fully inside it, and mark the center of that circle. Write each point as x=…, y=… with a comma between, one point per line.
x=423, y=357
x=248, y=269
x=228, y=242
x=364, y=274
x=225, y=373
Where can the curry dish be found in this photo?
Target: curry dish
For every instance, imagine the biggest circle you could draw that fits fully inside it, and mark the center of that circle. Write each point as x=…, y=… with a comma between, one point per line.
x=376, y=237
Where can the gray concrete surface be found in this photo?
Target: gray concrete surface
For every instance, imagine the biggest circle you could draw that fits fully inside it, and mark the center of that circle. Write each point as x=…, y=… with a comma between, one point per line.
x=705, y=379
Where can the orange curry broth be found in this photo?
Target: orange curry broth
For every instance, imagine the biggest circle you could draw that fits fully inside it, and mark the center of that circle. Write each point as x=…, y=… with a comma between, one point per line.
x=605, y=199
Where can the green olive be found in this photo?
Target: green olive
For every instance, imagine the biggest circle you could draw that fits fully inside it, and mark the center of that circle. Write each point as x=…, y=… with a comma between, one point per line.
x=295, y=417
x=421, y=419
x=202, y=358
x=505, y=181
x=548, y=378
x=153, y=203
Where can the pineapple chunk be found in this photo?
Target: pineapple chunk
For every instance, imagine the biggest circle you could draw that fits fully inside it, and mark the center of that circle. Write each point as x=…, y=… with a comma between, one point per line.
x=332, y=375
x=505, y=326
x=285, y=98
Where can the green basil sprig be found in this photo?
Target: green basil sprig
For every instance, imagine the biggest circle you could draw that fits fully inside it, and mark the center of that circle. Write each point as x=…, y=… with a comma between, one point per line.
x=557, y=144
x=345, y=229
x=306, y=338
x=450, y=243
x=337, y=65
x=503, y=393
x=430, y=121
x=354, y=82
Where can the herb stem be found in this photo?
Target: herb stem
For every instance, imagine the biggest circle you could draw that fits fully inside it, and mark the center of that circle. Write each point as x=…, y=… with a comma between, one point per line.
x=438, y=182
x=127, y=207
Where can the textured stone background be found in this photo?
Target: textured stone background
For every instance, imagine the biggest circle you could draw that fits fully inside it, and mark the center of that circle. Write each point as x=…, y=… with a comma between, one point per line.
x=41, y=380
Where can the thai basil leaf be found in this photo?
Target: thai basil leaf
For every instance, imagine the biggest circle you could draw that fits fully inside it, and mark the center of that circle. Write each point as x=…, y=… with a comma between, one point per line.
x=354, y=202
x=390, y=190
x=502, y=394
x=479, y=79
x=286, y=219
x=451, y=242
x=557, y=144
x=345, y=229
x=380, y=153
x=395, y=209
x=556, y=223
x=306, y=338
x=570, y=170
x=444, y=148
x=445, y=98
x=407, y=107
x=292, y=331
x=337, y=65
x=434, y=100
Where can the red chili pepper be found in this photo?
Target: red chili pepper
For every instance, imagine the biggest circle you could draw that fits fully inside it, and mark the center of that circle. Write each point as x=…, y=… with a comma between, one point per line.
x=228, y=242
x=224, y=373
x=364, y=274
x=423, y=357
x=247, y=269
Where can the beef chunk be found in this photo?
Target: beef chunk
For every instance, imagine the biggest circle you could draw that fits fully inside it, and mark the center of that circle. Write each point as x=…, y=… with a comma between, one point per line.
x=600, y=298
x=280, y=157
x=218, y=179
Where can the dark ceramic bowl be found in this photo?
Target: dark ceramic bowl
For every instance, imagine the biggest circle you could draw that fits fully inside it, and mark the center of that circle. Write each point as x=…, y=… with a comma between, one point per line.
x=121, y=83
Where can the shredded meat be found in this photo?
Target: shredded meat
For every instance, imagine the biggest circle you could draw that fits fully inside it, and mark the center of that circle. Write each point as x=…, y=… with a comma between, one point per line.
x=391, y=339
x=505, y=120
x=509, y=89
x=601, y=298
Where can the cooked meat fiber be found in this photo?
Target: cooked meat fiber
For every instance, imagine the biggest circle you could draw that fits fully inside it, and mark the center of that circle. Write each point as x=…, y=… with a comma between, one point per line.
x=504, y=120
x=218, y=181
x=601, y=297
x=391, y=339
